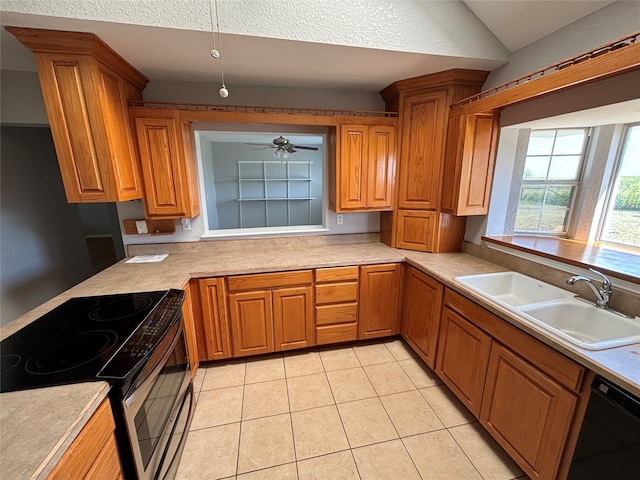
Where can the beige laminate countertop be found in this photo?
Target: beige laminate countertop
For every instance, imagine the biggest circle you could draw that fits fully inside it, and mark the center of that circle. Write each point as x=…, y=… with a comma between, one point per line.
x=37, y=426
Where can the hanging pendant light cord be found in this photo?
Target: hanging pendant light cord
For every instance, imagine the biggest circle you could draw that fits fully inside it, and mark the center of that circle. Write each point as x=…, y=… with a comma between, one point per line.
x=217, y=53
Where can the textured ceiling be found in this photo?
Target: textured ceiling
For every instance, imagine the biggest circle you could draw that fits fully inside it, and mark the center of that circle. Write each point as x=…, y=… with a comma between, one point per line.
x=359, y=44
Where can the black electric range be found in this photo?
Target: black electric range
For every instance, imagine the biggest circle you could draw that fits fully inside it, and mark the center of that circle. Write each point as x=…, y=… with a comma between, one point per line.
x=76, y=340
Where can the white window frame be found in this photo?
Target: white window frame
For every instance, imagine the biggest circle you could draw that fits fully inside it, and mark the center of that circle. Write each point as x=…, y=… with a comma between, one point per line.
x=547, y=183
x=611, y=191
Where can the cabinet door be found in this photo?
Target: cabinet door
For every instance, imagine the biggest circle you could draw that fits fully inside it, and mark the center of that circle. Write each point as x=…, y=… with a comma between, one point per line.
x=470, y=157
x=160, y=161
x=424, y=122
x=251, y=322
x=94, y=452
x=527, y=412
x=416, y=229
x=353, y=166
x=212, y=326
x=462, y=358
x=293, y=318
x=422, y=299
x=381, y=167
x=379, y=300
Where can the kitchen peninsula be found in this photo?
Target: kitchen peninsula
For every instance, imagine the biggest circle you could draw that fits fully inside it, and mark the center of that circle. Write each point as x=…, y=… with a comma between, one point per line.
x=43, y=441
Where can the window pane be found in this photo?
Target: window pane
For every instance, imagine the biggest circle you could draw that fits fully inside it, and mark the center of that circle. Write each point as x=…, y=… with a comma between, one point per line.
x=569, y=142
x=553, y=219
x=559, y=196
x=541, y=142
x=622, y=221
x=565, y=167
x=527, y=219
x=535, y=168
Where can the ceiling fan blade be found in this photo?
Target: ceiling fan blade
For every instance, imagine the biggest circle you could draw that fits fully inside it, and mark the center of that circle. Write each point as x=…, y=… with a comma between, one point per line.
x=302, y=147
x=261, y=144
x=290, y=149
x=262, y=148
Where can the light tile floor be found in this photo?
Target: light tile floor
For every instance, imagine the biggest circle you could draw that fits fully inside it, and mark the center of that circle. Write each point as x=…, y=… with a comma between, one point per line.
x=361, y=412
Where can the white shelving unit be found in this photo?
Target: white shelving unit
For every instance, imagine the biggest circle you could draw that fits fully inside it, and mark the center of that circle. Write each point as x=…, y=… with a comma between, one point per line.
x=274, y=181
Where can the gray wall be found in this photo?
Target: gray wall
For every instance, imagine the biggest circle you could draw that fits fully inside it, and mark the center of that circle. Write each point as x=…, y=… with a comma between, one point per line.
x=42, y=247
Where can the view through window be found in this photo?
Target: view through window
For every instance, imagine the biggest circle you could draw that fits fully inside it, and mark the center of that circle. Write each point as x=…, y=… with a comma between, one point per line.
x=622, y=218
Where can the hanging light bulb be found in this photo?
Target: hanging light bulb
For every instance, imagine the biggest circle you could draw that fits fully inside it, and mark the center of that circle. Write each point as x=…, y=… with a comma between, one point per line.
x=216, y=53
x=279, y=153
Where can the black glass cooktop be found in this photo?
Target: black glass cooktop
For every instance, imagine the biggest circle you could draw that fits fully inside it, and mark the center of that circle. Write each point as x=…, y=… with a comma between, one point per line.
x=74, y=341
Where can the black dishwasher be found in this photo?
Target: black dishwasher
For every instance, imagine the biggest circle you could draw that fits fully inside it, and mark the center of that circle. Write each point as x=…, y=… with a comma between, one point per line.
x=608, y=447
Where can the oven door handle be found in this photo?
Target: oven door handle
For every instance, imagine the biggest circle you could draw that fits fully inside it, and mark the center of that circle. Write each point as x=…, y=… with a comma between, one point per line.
x=143, y=389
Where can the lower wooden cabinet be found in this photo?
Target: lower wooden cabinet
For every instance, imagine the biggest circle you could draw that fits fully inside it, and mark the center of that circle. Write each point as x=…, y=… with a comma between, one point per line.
x=336, y=304
x=190, y=330
x=422, y=303
x=211, y=324
x=463, y=355
x=94, y=453
x=251, y=315
x=271, y=312
x=379, y=300
x=527, y=412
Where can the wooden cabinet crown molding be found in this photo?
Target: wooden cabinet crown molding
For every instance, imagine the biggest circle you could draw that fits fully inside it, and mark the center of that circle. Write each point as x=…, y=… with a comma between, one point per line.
x=77, y=43
x=457, y=76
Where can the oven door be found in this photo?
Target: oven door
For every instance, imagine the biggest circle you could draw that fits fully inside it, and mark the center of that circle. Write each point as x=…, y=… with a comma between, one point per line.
x=153, y=406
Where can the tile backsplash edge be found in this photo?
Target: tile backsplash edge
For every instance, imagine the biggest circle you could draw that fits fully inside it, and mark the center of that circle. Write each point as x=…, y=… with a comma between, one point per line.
x=253, y=243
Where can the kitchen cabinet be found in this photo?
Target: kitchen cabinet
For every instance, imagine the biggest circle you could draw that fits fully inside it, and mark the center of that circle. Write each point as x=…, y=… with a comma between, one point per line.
x=365, y=169
x=472, y=142
x=527, y=412
x=86, y=88
x=271, y=312
x=422, y=303
x=190, y=330
x=379, y=300
x=167, y=160
x=94, y=452
x=463, y=355
x=336, y=304
x=210, y=318
x=524, y=393
x=419, y=222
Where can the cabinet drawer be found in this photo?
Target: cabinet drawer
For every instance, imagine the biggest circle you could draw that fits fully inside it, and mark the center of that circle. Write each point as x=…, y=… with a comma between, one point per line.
x=270, y=280
x=336, y=333
x=333, y=314
x=336, y=274
x=336, y=293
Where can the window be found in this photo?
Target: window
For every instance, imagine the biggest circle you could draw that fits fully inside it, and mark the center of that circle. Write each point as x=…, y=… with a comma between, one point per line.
x=621, y=222
x=550, y=180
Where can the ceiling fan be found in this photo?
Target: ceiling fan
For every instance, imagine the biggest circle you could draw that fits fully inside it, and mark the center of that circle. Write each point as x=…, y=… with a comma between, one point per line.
x=283, y=147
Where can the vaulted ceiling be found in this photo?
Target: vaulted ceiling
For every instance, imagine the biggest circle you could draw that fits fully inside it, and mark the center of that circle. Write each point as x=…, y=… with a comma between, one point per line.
x=359, y=44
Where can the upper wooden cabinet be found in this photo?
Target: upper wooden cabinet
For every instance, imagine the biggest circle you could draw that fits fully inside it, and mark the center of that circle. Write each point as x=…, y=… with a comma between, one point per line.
x=364, y=168
x=469, y=160
x=86, y=88
x=423, y=133
x=419, y=223
x=167, y=158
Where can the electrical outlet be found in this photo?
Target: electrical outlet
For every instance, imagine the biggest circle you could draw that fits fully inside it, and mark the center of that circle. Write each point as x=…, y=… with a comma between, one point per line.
x=339, y=219
x=141, y=226
x=186, y=223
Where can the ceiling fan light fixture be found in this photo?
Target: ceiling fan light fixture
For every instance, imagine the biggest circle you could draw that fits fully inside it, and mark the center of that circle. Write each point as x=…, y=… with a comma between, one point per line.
x=281, y=153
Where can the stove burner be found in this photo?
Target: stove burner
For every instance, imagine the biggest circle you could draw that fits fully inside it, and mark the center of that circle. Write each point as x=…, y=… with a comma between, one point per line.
x=121, y=308
x=9, y=361
x=46, y=330
x=73, y=352
x=77, y=305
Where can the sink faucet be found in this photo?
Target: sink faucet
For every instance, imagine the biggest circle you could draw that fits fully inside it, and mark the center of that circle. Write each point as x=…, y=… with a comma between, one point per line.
x=603, y=294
